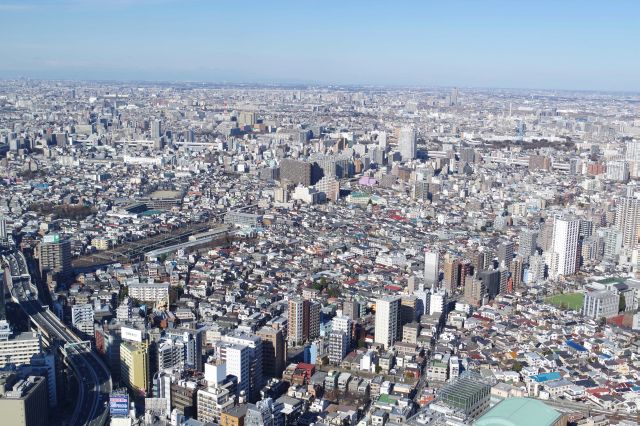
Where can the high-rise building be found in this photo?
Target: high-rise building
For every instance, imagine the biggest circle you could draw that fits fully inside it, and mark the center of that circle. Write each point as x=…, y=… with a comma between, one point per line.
x=156, y=129
x=338, y=346
x=82, y=318
x=304, y=321
x=238, y=360
x=628, y=219
x=431, y=268
x=437, y=302
x=254, y=345
x=515, y=270
x=565, y=246
x=134, y=366
x=23, y=402
x=407, y=143
x=506, y=250
x=387, y=329
x=17, y=348
x=527, y=243
x=632, y=155
x=273, y=351
x=3, y=228
x=296, y=172
x=55, y=256
x=451, y=267
x=351, y=309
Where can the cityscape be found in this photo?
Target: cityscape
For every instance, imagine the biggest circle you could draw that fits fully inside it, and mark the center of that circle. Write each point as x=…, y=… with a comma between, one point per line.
x=306, y=250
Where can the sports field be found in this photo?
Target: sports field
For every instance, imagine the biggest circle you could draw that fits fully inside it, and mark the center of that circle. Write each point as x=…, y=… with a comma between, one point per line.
x=570, y=300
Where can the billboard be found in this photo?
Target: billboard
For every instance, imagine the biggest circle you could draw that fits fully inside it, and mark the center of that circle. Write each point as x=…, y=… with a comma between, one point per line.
x=131, y=334
x=119, y=405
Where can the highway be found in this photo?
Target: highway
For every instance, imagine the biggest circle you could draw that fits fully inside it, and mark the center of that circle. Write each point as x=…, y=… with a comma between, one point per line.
x=94, y=379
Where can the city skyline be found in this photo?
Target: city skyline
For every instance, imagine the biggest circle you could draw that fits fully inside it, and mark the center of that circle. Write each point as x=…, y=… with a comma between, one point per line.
x=534, y=45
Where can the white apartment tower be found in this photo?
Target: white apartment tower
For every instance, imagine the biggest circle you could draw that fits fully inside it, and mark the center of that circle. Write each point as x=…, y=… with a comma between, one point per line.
x=628, y=220
x=431, y=268
x=564, y=253
x=387, y=320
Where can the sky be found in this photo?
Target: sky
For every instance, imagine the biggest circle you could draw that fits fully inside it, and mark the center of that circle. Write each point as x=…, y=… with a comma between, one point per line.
x=541, y=44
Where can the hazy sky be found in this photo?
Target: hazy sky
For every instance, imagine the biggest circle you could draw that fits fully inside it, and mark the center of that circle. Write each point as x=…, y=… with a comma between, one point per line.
x=558, y=44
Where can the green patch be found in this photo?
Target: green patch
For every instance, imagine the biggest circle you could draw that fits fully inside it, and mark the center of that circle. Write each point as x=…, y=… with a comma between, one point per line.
x=572, y=301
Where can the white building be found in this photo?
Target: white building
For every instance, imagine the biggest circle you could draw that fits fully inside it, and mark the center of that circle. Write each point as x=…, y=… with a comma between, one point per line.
x=437, y=302
x=407, y=143
x=564, y=252
x=599, y=304
x=82, y=318
x=387, y=320
x=237, y=358
x=431, y=268
x=17, y=348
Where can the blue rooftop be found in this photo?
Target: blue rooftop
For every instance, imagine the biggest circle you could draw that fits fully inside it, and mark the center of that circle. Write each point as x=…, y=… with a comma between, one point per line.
x=576, y=346
x=546, y=377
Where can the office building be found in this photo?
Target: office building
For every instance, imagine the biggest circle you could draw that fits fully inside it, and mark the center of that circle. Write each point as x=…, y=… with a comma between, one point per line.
x=156, y=129
x=273, y=351
x=351, y=309
x=238, y=361
x=338, y=346
x=23, y=402
x=134, y=366
x=211, y=402
x=387, y=320
x=600, y=304
x=19, y=348
x=407, y=143
x=437, y=302
x=506, y=251
x=184, y=396
x=253, y=344
x=296, y=172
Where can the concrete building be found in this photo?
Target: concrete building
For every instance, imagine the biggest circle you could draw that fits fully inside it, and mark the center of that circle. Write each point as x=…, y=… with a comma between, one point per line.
x=564, y=253
x=387, y=320
x=273, y=351
x=55, y=256
x=17, y=348
x=23, y=402
x=134, y=366
x=627, y=219
x=431, y=268
x=407, y=143
x=600, y=304
x=82, y=318
x=304, y=321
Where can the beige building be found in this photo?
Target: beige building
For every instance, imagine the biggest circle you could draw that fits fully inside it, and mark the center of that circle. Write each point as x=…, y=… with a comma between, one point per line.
x=23, y=402
x=134, y=366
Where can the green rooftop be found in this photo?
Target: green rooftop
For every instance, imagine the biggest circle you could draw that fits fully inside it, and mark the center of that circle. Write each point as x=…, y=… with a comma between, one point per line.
x=519, y=412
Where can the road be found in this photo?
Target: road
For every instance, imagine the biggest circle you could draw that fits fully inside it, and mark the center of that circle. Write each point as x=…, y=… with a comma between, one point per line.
x=94, y=379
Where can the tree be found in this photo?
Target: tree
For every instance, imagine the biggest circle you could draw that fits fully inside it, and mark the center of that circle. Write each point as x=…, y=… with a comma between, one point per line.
x=517, y=366
x=622, y=304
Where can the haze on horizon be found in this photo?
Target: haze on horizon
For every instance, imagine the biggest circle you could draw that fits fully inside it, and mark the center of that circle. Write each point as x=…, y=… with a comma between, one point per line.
x=583, y=45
